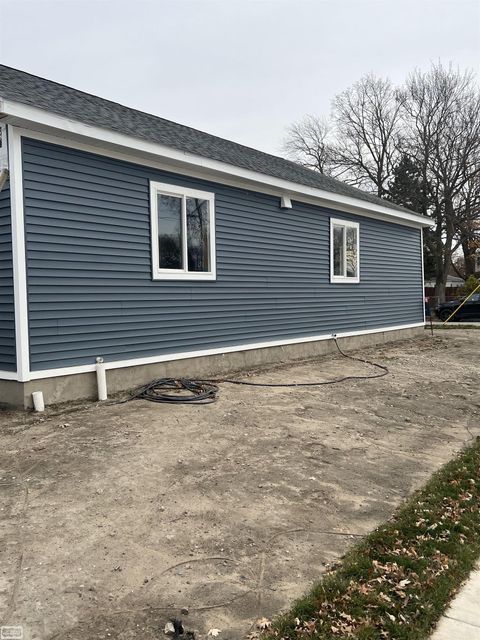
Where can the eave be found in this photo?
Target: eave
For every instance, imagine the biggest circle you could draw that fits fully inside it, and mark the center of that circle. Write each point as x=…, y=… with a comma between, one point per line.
x=117, y=145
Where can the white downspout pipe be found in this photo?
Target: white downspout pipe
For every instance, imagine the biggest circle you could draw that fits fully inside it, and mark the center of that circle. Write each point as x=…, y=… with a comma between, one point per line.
x=101, y=379
x=37, y=399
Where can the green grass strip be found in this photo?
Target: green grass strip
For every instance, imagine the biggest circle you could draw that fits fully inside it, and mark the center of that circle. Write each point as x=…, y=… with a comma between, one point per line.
x=396, y=583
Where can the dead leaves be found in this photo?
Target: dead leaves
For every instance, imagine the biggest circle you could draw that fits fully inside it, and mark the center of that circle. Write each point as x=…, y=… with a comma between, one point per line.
x=389, y=596
x=261, y=625
x=397, y=568
x=264, y=623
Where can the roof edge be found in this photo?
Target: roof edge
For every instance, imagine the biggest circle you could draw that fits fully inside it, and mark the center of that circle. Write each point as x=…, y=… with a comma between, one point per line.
x=43, y=121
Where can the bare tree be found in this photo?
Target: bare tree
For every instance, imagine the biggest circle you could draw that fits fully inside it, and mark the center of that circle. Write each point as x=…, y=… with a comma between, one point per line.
x=441, y=120
x=307, y=143
x=367, y=119
x=469, y=224
x=418, y=146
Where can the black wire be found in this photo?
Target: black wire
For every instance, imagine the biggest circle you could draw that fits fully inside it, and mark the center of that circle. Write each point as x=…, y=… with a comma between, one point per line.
x=206, y=391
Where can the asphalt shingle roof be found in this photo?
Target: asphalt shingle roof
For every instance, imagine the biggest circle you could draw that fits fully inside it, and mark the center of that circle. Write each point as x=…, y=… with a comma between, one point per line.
x=31, y=90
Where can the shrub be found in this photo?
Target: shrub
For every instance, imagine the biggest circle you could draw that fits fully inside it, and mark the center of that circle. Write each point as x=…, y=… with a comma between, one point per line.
x=471, y=283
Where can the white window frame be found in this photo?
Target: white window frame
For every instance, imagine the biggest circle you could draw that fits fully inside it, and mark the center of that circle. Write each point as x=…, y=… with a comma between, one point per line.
x=344, y=279
x=160, y=188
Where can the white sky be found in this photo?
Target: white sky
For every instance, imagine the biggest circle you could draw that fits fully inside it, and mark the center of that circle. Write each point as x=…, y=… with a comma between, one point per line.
x=241, y=69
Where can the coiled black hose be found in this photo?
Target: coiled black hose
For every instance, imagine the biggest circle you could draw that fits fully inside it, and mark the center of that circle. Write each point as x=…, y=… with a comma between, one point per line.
x=172, y=390
x=188, y=390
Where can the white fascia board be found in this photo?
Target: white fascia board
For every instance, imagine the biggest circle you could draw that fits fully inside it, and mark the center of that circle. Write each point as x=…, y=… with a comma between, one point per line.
x=168, y=357
x=39, y=120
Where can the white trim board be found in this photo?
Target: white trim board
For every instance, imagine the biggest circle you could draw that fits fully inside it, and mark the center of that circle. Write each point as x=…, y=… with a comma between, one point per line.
x=422, y=258
x=181, y=162
x=120, y=364
x=18, y=254
x=8, y=375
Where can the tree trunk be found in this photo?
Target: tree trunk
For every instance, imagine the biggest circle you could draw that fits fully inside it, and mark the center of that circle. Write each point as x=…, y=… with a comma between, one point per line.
x=441, y=265
x=469, y=256
x=444, y=250
x=441, y=285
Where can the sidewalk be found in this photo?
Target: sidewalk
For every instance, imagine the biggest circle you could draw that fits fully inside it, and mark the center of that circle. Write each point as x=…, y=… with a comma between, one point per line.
x=461, y=621
x=457, y=325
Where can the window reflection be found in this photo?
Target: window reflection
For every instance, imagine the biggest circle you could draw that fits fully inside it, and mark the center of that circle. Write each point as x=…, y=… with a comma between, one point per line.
x=170, y=232
x=338, y=250
x=351, y=252
x=198, y=234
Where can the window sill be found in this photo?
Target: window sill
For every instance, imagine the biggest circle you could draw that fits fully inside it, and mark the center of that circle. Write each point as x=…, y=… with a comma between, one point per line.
x=341, y=280
x=183, y=275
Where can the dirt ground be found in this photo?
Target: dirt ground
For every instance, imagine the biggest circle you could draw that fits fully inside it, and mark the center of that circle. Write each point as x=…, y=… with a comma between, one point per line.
x=115, y=517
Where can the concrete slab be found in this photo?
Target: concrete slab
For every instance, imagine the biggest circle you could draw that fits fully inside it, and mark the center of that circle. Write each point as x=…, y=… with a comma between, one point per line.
x=449, y=629
x=462, y=618
x=115, y=516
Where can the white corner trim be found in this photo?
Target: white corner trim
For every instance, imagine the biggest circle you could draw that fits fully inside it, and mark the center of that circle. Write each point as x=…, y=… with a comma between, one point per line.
x=159, y=188
x=43, y=121
x=18, y=254
x=120, y=364
x=422, y=257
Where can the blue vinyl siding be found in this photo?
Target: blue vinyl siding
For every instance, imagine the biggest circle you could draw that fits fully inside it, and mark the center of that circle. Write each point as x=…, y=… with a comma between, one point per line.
x=89, y=272
x=7, y=311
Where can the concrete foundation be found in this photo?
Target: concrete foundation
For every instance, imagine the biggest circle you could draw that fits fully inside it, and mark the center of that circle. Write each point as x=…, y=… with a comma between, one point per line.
x=83, y=386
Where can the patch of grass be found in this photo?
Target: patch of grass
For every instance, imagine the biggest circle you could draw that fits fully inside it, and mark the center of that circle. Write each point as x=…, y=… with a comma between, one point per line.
x=396, y=583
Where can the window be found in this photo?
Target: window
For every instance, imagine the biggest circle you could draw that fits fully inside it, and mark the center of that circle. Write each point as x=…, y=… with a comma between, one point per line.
x=344, y=251
x=183, y=233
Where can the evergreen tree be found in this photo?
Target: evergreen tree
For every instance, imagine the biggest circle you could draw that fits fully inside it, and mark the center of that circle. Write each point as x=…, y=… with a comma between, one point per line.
x=408, y=189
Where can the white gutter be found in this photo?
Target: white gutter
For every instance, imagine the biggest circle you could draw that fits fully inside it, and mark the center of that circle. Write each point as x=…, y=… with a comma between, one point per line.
x=37, y=119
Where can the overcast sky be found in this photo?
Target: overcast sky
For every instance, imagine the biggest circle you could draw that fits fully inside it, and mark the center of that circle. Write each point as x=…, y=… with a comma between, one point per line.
x=242, y=69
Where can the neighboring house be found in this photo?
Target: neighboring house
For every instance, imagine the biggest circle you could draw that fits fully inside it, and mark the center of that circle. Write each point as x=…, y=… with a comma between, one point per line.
x=147, y=243
x=452, y=287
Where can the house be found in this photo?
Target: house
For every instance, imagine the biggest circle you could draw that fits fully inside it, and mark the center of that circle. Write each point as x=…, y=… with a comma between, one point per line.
x=164, y=250
x=452, y=287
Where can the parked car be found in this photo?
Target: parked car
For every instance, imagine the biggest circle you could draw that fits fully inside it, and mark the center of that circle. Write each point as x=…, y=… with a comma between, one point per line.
x=469, y=311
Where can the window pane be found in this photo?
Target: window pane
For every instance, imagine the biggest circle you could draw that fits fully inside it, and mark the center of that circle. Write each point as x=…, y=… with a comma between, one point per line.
x=338, y=250
x=352, y=258
x=170, y=232
x=198, y=235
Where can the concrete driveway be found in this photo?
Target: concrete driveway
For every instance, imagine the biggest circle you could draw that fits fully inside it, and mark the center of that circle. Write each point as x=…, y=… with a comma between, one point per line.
x=116, y=517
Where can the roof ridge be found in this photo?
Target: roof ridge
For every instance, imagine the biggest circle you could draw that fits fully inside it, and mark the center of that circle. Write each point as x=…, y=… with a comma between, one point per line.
x=147, y=113
x=76, y=104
